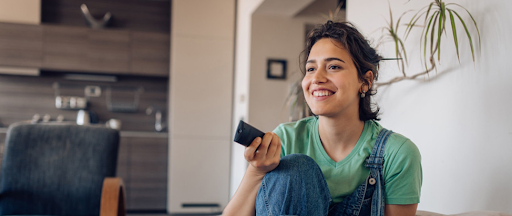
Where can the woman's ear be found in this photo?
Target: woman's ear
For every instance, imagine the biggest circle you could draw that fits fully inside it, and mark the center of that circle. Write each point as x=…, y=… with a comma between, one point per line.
x=368, y=76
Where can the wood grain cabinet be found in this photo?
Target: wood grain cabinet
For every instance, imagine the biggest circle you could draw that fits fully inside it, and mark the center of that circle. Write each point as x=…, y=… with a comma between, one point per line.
x=142, y=164
x=21, y=45
x=65, y=48
x=81, y=49
x=150, y=53
x=109, y=51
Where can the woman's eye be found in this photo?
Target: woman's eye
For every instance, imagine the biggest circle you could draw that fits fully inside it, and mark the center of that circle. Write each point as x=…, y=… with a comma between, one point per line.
x=334, y=67
x=310, y=69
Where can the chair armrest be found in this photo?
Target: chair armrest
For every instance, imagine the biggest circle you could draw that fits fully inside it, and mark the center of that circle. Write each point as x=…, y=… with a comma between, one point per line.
x=112, y=197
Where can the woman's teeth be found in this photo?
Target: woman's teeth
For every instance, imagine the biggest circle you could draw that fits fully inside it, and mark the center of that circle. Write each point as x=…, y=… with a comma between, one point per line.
x=322, y=93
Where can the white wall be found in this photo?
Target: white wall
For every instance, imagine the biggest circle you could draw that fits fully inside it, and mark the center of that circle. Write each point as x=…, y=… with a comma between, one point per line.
x=21, y=11
x=257, y=100
x=245, y=8
x=460, y=116
x=273, y=37
x=200, y=95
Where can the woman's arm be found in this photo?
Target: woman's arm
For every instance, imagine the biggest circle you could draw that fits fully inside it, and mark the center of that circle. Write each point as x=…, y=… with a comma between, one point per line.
x=263, y=156
x=400, y=210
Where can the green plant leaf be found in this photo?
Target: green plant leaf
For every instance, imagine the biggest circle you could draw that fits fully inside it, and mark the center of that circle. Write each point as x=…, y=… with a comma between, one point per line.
x=432, y=35
x=426, y=36
x=474, y=22
x=390, y=18
x=442, y=17
x=428, y=10
x=404, y=56
x=454, y=30
x=412, y=23
x=468, y=34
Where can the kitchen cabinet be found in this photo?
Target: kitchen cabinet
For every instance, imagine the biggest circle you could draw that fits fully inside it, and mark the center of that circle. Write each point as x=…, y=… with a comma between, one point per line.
x=21, y=45
x=150, y=53
x=108, y=51
x=81, y=49
x=142, y=163
x=65, y=48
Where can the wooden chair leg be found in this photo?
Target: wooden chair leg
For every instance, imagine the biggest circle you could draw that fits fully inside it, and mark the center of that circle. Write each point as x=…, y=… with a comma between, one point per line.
x=112, y=198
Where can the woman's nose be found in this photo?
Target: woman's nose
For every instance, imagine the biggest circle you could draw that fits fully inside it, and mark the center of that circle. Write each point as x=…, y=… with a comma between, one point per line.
x=319, y=76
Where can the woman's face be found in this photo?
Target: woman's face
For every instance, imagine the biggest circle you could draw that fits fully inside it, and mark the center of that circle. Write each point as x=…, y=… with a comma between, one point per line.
x=331, y=85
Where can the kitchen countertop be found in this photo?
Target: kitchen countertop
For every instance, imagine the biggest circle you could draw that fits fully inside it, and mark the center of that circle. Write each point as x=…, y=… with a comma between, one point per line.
x=143, y=134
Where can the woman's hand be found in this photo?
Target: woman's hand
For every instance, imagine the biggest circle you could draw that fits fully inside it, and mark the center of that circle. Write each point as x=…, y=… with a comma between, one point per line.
x=264, y=154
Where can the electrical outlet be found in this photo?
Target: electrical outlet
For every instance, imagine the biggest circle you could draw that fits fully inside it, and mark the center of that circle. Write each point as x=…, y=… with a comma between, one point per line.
x=92, y=91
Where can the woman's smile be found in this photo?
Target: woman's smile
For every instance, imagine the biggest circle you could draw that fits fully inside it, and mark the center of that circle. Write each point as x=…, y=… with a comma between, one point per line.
x=322, y=94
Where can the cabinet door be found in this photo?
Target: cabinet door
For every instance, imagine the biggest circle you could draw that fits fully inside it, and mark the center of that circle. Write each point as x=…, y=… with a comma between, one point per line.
x=65, y=48
x=109, y=51
x=123, y=156
x=150, y=54
x=147, y=186
x=21, y=45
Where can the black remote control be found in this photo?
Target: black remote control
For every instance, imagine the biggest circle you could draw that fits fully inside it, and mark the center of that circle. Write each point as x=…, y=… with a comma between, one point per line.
x=245, y=133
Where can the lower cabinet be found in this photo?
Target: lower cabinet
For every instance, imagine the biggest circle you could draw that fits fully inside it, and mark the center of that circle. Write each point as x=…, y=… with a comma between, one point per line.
x=142, y=163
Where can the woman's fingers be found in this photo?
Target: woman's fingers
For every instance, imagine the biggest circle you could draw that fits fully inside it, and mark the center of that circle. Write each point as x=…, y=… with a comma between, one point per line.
x=259, y=147
x=264, y=154
x=273, y=144
x=251, y=149
x=265, y=143
x=278, y=151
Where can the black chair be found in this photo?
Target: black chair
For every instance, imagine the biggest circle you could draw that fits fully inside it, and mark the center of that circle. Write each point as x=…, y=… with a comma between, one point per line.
x=60, y=169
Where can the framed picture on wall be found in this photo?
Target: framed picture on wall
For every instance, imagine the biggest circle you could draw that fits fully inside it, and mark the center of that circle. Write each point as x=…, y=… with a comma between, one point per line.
x=276, y=69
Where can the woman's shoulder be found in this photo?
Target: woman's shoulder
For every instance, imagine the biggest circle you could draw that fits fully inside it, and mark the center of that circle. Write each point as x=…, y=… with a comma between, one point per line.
x=396, y=143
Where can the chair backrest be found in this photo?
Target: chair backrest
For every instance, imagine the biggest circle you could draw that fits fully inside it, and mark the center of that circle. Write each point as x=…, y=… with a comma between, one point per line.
x=51, y=169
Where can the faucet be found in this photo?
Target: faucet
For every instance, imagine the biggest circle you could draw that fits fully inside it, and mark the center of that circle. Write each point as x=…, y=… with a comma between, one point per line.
x=159, y=126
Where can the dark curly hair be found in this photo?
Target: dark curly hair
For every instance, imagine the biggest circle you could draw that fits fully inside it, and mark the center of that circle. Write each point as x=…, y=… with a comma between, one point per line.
x=364, y=56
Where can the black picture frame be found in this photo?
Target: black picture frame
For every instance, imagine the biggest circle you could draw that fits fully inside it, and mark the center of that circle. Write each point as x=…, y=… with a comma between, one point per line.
x=276, y=69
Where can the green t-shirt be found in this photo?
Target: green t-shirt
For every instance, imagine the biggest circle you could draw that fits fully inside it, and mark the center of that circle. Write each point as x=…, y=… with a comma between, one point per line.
x=402, y=160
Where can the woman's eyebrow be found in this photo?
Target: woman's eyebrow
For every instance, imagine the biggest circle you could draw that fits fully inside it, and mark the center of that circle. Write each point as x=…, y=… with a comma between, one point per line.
x=327, y=59
x=334, y=59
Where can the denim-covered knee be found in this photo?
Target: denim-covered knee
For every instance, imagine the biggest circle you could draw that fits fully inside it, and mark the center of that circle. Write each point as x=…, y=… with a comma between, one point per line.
x=296, y=187
x=297, y=165
x=297, y=162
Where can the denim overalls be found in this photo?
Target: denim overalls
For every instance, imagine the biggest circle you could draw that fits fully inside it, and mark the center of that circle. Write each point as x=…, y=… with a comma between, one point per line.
x=297, y=187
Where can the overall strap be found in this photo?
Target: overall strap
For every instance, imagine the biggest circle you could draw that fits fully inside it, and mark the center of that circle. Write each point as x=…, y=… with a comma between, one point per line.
x=375, y=163
x=376, y=159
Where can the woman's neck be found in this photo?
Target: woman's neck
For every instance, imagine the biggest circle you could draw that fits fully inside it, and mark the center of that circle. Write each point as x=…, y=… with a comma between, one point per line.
x=339, y=135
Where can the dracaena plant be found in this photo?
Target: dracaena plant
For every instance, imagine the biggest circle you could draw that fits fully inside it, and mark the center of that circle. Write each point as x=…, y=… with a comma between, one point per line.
x=434, y=17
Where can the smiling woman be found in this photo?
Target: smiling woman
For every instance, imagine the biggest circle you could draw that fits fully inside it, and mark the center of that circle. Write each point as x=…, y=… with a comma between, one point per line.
x=340, y=161
x=350, y=44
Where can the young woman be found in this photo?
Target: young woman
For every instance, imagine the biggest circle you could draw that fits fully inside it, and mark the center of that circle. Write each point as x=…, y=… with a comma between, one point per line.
x=340, y=161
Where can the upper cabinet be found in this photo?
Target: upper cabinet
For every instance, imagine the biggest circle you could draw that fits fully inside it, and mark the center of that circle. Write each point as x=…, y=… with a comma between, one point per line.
x=65, y=48
x=21, y=45
x=150, y=53
x=105, y=51
x=80, y=49
x=136, y=41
